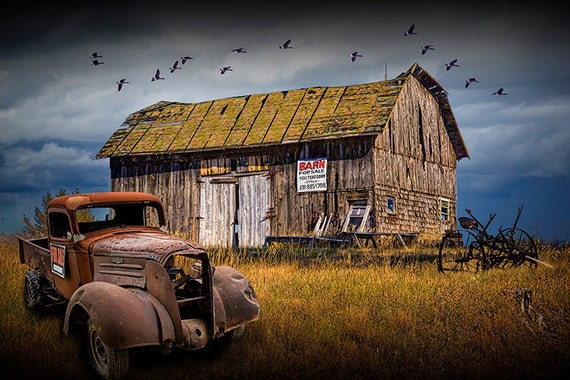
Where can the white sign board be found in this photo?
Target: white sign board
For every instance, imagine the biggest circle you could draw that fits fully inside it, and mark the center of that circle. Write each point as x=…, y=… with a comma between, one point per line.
x=312, y=175
x=58, y=254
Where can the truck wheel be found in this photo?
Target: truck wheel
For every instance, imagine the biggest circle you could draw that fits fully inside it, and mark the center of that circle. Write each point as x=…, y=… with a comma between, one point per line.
x=33, y=290
x=108, y=362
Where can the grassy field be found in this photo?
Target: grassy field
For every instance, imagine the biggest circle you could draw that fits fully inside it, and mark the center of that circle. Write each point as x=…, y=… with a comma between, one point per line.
x=343, y=314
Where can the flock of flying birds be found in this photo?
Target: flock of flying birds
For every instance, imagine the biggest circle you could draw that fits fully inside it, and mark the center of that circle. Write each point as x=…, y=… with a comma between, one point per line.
x=95, y=60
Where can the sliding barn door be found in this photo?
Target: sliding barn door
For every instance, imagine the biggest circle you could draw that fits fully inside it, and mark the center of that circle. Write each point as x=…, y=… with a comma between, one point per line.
x=253, y=206
x=233, y=211
x=217, y=212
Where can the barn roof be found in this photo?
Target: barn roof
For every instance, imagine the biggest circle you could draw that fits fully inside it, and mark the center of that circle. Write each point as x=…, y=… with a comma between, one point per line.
x=274, y=118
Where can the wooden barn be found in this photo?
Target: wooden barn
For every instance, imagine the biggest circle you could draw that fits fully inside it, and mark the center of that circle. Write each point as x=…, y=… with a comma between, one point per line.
x=377, y=157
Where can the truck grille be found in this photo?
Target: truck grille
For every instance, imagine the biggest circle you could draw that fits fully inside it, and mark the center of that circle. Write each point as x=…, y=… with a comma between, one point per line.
x=122, y=274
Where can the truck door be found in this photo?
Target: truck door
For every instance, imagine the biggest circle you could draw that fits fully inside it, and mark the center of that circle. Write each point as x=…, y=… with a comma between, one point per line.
x=63, y=261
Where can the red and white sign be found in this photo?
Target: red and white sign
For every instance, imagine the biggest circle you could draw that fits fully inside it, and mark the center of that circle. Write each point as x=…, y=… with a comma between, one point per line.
x=58, y=253
x=312, y=175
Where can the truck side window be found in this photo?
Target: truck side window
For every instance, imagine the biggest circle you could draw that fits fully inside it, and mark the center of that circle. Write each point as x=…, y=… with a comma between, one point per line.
x=59, y=226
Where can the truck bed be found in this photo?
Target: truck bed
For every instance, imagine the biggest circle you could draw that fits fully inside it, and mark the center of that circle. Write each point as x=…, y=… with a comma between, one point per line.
x=35, y=253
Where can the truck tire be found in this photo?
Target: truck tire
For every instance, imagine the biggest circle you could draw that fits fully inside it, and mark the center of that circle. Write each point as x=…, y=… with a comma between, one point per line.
x=110, y=363
x=34, y=285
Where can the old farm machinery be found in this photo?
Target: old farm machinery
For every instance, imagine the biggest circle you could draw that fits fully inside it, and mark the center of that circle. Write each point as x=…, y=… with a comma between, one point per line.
x=476, y=249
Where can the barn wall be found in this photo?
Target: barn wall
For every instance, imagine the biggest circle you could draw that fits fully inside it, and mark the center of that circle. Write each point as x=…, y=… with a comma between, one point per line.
x=174, y=180
x=415, y=164
x=349, y=176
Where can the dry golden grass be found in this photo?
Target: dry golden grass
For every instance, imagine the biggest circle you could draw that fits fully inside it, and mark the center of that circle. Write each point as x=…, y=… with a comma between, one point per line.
x=346, y=314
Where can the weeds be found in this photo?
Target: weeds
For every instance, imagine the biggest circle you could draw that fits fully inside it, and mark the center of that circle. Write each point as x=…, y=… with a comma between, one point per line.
x=340, y=313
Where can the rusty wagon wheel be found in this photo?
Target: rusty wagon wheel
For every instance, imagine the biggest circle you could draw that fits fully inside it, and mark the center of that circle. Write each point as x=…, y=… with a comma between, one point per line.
x=520, y=249
x=455, y=256
x=109, y=362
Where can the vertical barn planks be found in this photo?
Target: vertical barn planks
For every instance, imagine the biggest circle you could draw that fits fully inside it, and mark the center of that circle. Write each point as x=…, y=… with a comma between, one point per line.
x=217, y=212
x=254, y=213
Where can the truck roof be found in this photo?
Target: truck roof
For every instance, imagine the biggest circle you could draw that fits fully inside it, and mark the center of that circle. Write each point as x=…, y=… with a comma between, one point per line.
x=76, y=201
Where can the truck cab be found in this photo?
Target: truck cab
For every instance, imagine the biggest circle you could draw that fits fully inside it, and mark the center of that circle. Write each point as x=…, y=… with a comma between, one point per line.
x=74, y=219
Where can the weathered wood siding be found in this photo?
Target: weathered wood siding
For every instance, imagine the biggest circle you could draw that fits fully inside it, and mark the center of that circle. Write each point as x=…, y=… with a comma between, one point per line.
x=217, y=212
x=349, y=176
x=412, y=160
x=174, y=179
x=415, y=164
x=203, y=208
x=253, y=210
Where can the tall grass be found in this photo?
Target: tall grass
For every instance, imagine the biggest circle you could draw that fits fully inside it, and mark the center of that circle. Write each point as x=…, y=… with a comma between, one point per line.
x=353, y=314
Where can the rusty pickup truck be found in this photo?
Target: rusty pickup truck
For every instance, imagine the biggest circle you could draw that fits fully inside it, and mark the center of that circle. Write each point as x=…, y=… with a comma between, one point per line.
x=109, y=259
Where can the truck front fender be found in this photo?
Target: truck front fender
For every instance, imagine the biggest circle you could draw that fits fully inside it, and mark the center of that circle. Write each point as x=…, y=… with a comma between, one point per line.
x=235, y=301
x=124, y=318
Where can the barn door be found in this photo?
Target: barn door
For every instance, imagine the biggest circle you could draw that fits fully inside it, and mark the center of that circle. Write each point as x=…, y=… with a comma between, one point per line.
x=253, y=205
x=217, y=212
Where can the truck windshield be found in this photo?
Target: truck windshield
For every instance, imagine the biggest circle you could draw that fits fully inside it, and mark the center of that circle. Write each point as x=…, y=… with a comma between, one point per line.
x=96, y=218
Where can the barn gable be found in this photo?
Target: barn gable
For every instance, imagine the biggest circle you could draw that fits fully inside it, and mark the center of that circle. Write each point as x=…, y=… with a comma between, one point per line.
x=227, y=170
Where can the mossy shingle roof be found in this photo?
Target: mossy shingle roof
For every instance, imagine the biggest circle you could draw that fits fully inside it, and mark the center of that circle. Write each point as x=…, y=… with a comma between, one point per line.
x=270, y=119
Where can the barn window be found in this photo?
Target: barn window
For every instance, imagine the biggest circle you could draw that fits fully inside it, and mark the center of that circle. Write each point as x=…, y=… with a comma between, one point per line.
x=357, y=215
x=444, y=208
x=391, y=205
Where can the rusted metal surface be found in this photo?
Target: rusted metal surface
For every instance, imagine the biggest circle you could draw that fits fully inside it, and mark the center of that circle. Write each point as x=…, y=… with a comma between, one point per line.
x=35, y=254
x=195, y=333
x=124, y=318
x=159, y=285
x=76, y=201
x=125, y=283
x=239, y=300
x=120, y=271
x=154, y=245
x=509, y=247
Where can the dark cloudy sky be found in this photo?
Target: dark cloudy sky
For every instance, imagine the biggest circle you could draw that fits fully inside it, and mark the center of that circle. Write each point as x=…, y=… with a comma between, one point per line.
x=57, y=109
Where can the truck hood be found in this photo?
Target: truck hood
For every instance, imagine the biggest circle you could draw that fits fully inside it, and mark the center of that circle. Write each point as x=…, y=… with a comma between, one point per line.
x=154, y=245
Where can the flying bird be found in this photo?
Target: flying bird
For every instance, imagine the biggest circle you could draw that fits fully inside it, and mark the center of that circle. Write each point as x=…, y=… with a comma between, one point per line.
x=410, y=31
x=121, y=83
x=175, y=67
x=355, y=55
x=156, y=76
x=185, y=58
x=240, y=50
x=426, y=48
x=286, y=45
x=96, y=55
x=451, y=64
x=500, y=91
x=224, y=69
x=96, y=62
x=469, y=81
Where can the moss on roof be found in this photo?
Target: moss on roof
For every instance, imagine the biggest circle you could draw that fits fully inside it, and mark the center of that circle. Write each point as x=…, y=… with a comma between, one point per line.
x=269, y=119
